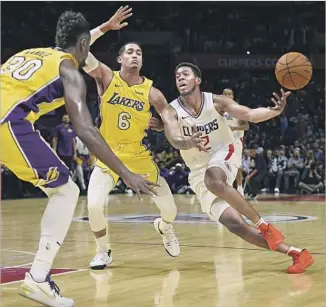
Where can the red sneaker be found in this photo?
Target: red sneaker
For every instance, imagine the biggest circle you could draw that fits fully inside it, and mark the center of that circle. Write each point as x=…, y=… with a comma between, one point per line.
x=301, y=261
x=272, y=236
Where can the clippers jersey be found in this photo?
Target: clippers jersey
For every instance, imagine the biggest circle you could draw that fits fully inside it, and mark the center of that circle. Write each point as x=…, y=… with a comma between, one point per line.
x=125, y=112
x=216, y=133
x=31, y=85
x=234, y=122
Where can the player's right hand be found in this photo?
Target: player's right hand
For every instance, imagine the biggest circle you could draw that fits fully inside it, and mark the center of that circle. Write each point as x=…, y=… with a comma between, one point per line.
x=139, y=184
x=196, y=141
x=279, y=102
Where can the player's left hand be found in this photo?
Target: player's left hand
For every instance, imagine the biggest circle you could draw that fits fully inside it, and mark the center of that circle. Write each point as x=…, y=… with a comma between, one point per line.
x=156, y=124
x=280, y=102
x=117, y=21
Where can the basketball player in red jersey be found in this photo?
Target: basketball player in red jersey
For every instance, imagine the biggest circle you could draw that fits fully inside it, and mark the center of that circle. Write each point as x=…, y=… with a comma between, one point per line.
x=209, y=155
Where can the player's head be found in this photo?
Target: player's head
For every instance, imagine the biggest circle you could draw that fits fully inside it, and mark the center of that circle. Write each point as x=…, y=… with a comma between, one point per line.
x=229, y=93
x=73, y=35
x=65, y=119
x=131, y=56
x=188, y=78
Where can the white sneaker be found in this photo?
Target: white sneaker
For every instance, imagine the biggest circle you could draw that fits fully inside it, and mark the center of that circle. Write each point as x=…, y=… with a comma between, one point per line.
x=101, y=260
x=170, y=240
x=276, y=190
x=46, y=293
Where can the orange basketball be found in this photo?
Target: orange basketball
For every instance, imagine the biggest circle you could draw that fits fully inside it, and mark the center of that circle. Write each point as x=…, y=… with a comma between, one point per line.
x=293, y=71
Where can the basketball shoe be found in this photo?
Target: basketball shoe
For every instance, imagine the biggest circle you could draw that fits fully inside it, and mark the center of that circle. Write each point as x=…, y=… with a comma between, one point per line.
x=46, y=293
x=301, y=261
x=101, y=260
x=272, y=236
x=170, y=240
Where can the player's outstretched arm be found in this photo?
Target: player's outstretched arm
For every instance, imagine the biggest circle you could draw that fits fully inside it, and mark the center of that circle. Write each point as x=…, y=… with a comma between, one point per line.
x=173, y=133
x=75, y=97
x=225, y=104
x=99, y=71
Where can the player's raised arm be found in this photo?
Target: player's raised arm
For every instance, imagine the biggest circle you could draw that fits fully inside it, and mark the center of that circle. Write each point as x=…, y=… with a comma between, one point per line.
x=99, y=71
x=75, y=97
x=173, y=133
x=225, y=104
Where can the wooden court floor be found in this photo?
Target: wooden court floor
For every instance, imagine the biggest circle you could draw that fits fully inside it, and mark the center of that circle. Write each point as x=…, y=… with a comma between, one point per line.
x=214, y=269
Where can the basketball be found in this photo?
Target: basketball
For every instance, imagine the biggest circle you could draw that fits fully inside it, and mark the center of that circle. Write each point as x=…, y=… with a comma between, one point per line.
x=293, y=70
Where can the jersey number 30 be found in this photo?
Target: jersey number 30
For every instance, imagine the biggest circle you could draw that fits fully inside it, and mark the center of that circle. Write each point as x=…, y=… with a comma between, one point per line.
x=21, y=69
x=123, y=121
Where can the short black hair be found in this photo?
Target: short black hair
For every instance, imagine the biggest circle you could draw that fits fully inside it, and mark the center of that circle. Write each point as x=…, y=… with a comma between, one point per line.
x=123, y=47
x=69, y=28
x=195, y=69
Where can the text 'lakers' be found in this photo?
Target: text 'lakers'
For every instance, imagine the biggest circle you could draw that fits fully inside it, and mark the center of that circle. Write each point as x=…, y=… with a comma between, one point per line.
x=127, y=102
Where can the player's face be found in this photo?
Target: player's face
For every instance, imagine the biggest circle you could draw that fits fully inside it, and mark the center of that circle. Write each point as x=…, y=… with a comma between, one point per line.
x=228, y=93
x=132, y=57
x=186, y=81
x=65, y=119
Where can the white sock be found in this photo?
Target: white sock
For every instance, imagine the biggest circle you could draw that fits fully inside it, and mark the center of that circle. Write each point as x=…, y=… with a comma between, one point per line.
x=261, y=221
x=48, y=248
x=54, y=227
x=102, y=243
x=240, y=190
x=294, y=249
x=165, y=202
x=164, y=225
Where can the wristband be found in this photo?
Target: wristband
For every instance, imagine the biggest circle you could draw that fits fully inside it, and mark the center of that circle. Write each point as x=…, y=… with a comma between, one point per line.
x=91, y=63
x=95, y=34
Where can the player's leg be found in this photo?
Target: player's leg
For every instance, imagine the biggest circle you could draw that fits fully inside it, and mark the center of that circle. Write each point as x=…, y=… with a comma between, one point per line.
x=219, y=177
x=239, y=177
x=234, y=222
x=100, y=185
x=27, y=155
x=144, y=164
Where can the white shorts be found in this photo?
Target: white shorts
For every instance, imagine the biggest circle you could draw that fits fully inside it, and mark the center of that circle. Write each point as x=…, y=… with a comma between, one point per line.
x=238, y=148
x=228, y=161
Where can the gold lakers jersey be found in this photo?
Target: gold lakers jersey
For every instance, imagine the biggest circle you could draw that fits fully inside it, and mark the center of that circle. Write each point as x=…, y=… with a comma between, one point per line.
x=31, y=84
x=125, y=112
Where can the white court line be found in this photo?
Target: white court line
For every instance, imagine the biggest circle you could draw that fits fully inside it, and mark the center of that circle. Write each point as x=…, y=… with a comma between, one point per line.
x=18, y=251
x=64, y=273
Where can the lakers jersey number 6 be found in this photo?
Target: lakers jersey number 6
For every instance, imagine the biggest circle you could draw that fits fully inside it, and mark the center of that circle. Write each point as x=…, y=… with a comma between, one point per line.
x=125, y=111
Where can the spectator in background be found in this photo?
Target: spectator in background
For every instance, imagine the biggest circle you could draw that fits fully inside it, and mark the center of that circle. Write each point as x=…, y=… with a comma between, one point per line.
x=257, y=176
x=82, y=162
x=282, y=162
x=164, y=172
x=64, y=141
x=312, y=181
x=246, y=162
x=295, y=166
x=272, y=167
x=179, y=179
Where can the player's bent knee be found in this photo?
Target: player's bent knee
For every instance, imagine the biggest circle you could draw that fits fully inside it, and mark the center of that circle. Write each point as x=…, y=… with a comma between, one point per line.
x=214, y=184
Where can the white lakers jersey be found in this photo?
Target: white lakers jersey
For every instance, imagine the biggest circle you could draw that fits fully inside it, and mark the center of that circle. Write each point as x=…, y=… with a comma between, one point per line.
x=216, y=133
x=234, y=122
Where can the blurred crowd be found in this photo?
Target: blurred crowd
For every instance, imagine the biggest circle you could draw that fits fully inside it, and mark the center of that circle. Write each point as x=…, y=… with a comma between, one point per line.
x=283, y=155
